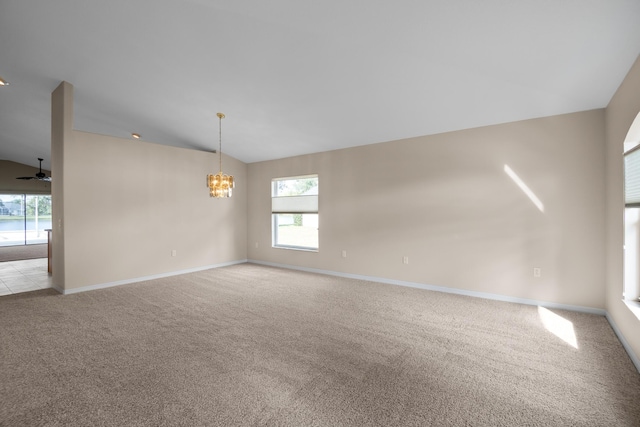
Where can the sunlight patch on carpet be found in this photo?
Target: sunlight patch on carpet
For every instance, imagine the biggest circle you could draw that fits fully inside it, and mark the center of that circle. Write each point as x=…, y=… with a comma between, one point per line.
x=558, y=326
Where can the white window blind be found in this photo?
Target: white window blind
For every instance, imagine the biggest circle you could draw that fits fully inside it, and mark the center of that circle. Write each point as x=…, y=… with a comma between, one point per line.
x=295, y=195
x=294, y=204
x=632, y=177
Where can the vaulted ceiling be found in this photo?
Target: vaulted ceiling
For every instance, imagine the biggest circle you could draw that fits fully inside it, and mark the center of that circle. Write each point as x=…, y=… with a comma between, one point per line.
x=297, y=77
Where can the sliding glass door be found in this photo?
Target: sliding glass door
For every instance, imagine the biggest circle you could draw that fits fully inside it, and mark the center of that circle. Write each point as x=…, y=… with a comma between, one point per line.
x=24, y=219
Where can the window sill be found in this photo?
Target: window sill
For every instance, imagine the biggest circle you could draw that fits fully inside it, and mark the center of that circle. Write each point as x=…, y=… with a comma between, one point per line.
x=634, y=306
x=295, y=248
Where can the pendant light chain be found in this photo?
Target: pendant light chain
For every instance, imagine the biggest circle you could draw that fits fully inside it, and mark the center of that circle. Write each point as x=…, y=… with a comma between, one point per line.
x=220, y=116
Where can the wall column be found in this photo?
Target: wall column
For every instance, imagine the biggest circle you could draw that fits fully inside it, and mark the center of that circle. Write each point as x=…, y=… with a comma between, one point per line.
x=61, y=134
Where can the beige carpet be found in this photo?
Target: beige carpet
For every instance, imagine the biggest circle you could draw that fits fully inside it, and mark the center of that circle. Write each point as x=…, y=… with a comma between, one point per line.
x=250, y=345
x=19, y=252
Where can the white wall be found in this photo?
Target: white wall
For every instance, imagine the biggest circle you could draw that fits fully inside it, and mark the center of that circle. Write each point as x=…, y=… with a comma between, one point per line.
x=128, y=204
x=620, y=114
x=446, y=202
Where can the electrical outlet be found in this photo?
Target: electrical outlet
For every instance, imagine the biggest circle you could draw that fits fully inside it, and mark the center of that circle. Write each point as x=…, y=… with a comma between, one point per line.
x=174, y=252
x=405, y=260
x=537, y=272
x=344, y=254
x=256, y=245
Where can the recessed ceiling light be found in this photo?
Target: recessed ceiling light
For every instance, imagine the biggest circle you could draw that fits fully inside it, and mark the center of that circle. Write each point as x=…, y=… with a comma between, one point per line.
x=135, y=135
x=3, y=82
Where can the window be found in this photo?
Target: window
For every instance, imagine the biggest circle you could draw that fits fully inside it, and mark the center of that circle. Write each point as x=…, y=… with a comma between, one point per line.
x=294, y=212
x=24, y=218
x=632, y=221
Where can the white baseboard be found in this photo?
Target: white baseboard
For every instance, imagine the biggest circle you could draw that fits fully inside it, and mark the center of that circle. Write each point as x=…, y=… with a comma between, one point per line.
x=143, y=278
x=625, y=344
x=498, y=297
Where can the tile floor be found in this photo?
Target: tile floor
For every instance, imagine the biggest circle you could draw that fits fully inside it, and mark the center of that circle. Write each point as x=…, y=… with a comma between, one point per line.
x=24, y=276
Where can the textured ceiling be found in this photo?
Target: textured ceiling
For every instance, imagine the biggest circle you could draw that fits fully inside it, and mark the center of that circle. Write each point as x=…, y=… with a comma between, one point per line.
x=297, y=77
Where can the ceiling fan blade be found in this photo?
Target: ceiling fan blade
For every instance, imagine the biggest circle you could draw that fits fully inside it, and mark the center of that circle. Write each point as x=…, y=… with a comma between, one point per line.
x=40, y=176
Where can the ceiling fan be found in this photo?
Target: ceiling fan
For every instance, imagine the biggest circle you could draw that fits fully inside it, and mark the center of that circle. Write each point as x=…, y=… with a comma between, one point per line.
x=39, y=176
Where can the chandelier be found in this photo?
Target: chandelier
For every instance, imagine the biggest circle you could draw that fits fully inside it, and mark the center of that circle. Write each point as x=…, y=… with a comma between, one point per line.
x=220, y=185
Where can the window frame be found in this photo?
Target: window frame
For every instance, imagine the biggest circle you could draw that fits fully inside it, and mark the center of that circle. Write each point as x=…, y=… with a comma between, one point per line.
x=306, y=206
x=631, y=223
